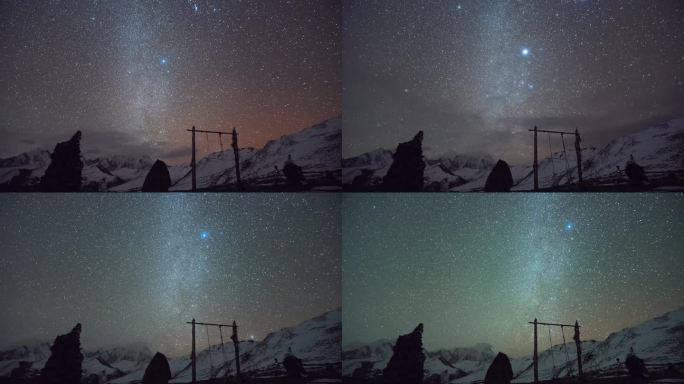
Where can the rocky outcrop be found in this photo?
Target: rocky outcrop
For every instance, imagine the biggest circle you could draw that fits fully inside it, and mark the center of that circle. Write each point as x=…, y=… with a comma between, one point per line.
x=500, y=371
x=157, y=371
x=64, y=172
x=158, y=178
x=406, y=172
x=500, y=178
x=64, y=364
x=406, y=364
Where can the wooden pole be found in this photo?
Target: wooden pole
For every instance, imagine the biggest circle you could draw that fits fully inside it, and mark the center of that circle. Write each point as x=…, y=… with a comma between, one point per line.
x=236, y=344
x=194, y=174
x=535, y=166
x=579, y=350
x=236, y=151
x=193, y=357
x=578, y=150
x=534, y=356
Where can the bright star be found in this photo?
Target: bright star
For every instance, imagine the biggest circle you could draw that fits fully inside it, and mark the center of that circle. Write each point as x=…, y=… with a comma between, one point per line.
x=163, y=61
x=569, y=226
x=525, y=51
x=204, y=235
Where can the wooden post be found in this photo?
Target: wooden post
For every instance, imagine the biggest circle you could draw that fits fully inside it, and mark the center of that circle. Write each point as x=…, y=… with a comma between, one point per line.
x=193, y=357
x=578, y=150
x=535, y=357
x=536, y=173
x=579, y=349
x=236, y=151
x=236, y=344
x=194, y=175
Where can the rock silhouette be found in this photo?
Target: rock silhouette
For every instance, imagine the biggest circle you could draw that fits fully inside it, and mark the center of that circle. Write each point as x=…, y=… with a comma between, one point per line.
x=500, y=178
x=157, y=371
x=158, y=178
x=22, y=371
x=64, y=172
x=406, y=172
x=64, y=364
x=635, y=366
x=293, y=172
x=294, y=366
x=635, y=173
x=500, y=371
x=406, y=364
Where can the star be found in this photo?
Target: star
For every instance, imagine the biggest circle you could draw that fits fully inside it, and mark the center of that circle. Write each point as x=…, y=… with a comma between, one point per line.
x=525, y=51
x=204, y=235
x=163, y=61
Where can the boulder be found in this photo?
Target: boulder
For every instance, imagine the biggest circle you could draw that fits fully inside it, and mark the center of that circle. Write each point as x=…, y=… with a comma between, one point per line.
x=158, y=178
x=294, y=366
x=64, y=364
x=293, y=172
x=406, y=172
x=499, y=371
x=157, y=371
x=64, y=172
x=406, y=364
x=500, y=178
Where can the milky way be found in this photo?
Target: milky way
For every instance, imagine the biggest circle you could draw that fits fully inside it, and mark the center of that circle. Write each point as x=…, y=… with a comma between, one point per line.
x=135, y=75
x=477, y=268
x=476, y=75
x=136, y=268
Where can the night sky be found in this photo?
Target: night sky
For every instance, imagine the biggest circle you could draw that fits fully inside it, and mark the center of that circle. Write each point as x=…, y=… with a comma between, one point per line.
x=475, y=75
x=135, y=268
x=133, y=75
x=478, y=268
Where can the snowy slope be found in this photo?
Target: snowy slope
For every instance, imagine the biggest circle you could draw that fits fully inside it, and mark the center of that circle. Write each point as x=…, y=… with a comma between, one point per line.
x=315, y=149
x=658, y=341
x=110, y=362
x=656, y=148
x=315, y=341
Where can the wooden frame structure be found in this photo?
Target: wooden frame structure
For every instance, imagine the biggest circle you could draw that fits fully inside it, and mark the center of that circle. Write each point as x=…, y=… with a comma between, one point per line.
x=576, y=337
x=236, y=345
x=578, y=151
x=235, y=152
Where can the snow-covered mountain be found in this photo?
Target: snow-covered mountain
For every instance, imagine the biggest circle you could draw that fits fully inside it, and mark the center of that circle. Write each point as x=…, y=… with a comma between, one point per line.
x=658, y=148
x=316, y=149
x=316, y=341
x=104, y=362
x=659, y=341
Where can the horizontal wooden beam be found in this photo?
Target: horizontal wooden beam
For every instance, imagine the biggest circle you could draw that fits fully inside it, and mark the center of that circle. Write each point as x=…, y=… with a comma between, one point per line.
x=220, y=133
x=541, y=130
x=558, y=325
x=216, y=325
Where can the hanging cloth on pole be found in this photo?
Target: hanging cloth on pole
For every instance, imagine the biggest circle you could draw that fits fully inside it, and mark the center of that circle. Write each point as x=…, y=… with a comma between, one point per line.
x=211, y=363
x=567, y=167
x=553, y=166
x=567, y=355
x=553, y=359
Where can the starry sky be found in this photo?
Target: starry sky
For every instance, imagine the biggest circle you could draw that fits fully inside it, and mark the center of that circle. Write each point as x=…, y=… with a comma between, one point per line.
x=475, y=75
x=476, y=269
x=135, y=268
x=134, y=75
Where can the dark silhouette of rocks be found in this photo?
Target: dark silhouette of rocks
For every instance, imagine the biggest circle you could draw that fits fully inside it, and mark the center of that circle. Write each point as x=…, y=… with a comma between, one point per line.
x=635, y=173
x=158, y=178
x=22, y=371
x=500, y=178
x=500, y=371
x=635, y=366
x=64, y=172
x=406, y=364
x=64, y=364
x=294, y=367
x=157, y=371
x=364, y=371
x=293, y=172
x=406, y=172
